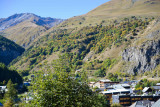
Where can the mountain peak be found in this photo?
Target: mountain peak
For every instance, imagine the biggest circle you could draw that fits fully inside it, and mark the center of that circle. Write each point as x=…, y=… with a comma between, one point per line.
x=18, y=18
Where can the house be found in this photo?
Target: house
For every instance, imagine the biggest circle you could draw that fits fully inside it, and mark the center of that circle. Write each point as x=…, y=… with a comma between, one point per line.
x=3, y=88
x=128, y=100
x=158, y=84
x=117, y=89
x=120, y=86
x=157, y=89
x=110, y=94
x=103, y=84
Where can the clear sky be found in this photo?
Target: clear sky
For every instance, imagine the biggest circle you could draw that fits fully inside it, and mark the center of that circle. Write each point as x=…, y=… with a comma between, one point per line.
x=48, y=8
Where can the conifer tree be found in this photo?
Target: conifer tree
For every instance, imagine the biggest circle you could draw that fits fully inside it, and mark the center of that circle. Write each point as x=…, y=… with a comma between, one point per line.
x=12, y=92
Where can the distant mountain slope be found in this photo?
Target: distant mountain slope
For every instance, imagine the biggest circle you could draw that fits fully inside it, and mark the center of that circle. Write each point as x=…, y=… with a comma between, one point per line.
x=9, y=50
x=25, y=27
x=24, y=33
x=18, y=18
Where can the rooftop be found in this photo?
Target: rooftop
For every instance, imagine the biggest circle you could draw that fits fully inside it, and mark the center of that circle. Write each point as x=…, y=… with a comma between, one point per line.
x=156, y=104
x=115, y=91
x=158, y=84
x=106, y=80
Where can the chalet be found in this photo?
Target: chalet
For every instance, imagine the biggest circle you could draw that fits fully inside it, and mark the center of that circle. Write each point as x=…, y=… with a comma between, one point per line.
x=103, y=84
x=157, y=89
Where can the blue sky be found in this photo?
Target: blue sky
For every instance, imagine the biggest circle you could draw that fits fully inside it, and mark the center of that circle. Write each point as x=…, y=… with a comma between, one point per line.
x=48, y=8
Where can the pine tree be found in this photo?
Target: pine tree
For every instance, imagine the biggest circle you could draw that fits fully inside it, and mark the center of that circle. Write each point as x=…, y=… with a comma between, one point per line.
x=12, y=92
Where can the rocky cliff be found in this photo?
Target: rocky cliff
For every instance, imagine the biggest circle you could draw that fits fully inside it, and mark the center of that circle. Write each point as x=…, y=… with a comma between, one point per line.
x=146, y=56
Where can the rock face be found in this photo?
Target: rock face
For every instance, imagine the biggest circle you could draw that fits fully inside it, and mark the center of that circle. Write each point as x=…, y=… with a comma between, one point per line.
x=143, y=58
x=146, y=56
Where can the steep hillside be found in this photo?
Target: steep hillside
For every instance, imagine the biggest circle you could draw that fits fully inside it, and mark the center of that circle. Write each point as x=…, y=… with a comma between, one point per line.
x=7, y=74
x=24, y=33
x=119, y=43
x=114, y=9
x=79, y=44
x=26, y=27
x=9, y=50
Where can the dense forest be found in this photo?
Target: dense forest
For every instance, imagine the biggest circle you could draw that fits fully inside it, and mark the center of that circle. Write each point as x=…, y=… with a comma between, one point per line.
x=7, y=74
x=9, y=50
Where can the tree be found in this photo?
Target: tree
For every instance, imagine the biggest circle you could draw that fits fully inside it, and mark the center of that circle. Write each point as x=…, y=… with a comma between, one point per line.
x=61, y=89
x=9, y=103
x=100, y=73
x=12, y=92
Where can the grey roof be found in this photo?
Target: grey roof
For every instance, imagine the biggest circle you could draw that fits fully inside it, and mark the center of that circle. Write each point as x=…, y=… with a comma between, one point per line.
x=156, y=87
x=156, y=104
x=121, y=86
x=143, y=103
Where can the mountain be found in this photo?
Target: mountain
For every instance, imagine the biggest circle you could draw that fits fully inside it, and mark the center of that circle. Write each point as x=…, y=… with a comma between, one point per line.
x=102, y=41
x=114, y=9
x=18, y=18
x=25, y=27
x=9, y=50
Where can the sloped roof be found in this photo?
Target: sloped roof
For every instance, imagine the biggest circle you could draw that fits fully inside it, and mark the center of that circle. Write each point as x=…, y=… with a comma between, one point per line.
x=156, y=87
x=146, y=89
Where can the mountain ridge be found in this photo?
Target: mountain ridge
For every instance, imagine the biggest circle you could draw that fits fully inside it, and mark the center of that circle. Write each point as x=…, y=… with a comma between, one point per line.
x=18, y=18
x=24, y=28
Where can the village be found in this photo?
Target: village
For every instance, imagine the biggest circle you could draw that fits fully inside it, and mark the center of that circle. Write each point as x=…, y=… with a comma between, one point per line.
x=124, y=93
